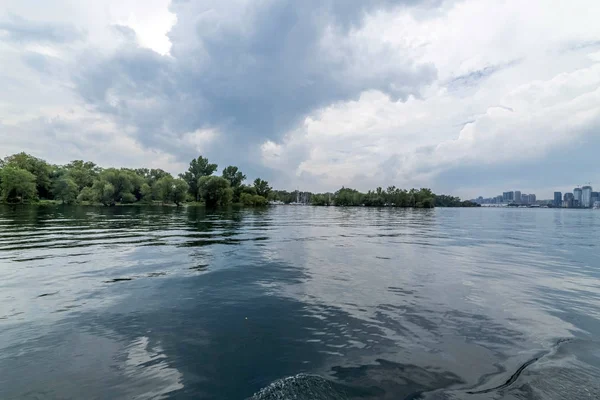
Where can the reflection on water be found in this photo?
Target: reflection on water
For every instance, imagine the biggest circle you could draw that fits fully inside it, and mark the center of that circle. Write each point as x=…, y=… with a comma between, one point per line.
x=299, y=302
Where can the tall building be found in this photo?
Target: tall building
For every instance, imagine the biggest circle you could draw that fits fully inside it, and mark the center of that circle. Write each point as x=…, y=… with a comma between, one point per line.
x=508, y=197
x=577, y=196
x=524, y=198
x=568, y=200
x=557, y=199
x=586, y=197
x=532, y=199
x=517, y=197
x=595, y=197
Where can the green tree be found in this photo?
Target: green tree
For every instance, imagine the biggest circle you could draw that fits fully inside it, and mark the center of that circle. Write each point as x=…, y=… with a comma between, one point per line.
x=163, y=189
x=248, y=189
x=321, y=199
x=180, y=190
x=128, y=198
x=87, y=194
x=247, y=199
x=198, y=168
x=17, y=184
x=82, y=173
x=146, y=192
x=39, y=168
x=428, y=202
x=255, y=200
x=348, y=197
x=104, y=192
x=151, y=176
x=65, y=189
x=262, y=187
x=117, y=185
x=235, y=178
x=215, y=191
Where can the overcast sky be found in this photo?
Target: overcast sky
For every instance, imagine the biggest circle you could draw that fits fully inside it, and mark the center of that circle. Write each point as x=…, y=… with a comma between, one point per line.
x=466, y=97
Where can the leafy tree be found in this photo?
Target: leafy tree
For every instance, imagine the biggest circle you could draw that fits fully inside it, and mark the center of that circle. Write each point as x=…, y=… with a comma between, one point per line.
x=162, y=189
x=168, y=189
x=146, y=192
x=248, y=189
x=235, y=178
x=198, y=168
x=262, y=187
x=82, y=173
x=128, y=198
x=348, y=197
x=151, y=176
x=66, y=190
x=104, y=192
x=39, y=168
x=321, y=199
x=452, y=201
x=87, y=194
x=117, y=185
x=446, y=201
x=248, y=199
x=215, y=191
x=17, y=184
x=180, y=190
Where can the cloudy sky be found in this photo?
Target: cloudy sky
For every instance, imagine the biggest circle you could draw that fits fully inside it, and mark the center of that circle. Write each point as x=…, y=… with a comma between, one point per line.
x=467, y=97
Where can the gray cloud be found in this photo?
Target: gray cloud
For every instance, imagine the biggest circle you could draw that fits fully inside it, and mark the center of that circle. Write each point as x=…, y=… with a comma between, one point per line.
x=310, y=94
x=252, y=70
x=562, y=169
x=18, y=29
x=474, y=78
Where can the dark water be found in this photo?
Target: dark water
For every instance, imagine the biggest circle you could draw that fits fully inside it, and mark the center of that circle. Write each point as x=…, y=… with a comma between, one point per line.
x=299, y=303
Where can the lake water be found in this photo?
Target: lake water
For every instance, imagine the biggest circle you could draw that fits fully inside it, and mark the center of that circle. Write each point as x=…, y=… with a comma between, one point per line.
x=299, y=303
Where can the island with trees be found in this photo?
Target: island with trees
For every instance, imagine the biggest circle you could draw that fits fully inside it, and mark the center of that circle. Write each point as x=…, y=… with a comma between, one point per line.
x=25, y=179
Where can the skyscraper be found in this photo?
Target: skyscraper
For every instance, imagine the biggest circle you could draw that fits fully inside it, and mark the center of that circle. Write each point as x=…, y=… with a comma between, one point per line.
x=577, y=196
x=557, y=199
x=508, y=197
x=586, y=197
x=532, y=199
x=517, y=197
x=568, y=203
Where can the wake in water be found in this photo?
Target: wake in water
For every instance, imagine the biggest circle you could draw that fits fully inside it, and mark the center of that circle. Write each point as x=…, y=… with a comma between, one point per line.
x=300, y=387
x=311, y=387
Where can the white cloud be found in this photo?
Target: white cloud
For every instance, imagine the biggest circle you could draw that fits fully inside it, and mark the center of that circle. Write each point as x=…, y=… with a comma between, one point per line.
x=200, y=139
x=151, y=20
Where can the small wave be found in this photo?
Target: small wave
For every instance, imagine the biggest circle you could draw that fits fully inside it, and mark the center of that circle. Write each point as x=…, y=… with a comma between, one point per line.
x=513, y=378
x=301, y=387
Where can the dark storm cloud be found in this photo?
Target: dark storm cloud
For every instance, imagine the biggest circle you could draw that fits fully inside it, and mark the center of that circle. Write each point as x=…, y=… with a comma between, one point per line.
x=18, y=29
x=252, y=69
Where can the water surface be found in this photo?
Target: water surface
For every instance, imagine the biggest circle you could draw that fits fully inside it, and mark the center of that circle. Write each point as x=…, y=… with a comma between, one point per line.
x=299, y=303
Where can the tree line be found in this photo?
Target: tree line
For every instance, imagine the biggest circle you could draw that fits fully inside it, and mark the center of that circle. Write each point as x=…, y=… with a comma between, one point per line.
x=25, y=178
x=390, y=197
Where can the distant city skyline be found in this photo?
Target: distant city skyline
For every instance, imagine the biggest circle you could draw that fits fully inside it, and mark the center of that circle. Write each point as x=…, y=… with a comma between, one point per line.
x=578, y=197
